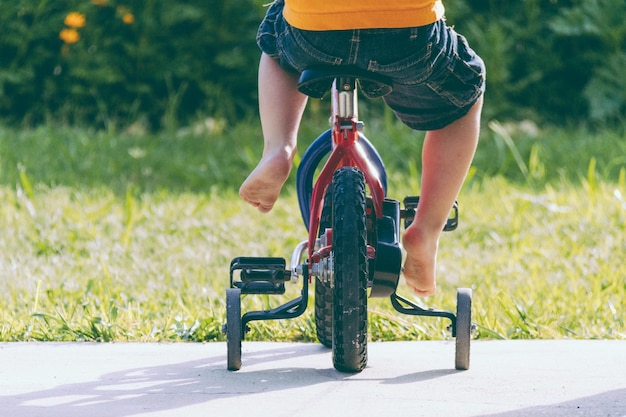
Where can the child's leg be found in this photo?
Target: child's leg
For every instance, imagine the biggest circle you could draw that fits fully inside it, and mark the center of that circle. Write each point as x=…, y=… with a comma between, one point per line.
x=281, y=106
x=446, y=157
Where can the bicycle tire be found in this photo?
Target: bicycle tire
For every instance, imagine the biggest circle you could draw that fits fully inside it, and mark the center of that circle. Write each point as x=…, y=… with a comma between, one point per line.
x=463, y=328
x=323, y=288
x=349, y=250
x=234, y=331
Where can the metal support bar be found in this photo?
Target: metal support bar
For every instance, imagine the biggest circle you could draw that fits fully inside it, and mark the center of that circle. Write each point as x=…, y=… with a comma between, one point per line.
x=404, y=306
x=289, y=310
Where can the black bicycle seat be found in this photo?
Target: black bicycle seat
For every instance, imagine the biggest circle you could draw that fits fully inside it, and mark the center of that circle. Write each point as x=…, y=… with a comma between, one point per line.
x=315, y=82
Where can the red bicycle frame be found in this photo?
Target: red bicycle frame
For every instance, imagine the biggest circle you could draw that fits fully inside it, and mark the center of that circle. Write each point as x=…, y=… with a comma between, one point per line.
x=346, y=151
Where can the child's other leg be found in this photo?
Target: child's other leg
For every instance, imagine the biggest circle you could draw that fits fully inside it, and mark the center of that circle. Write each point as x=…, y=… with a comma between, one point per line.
x=446, y=157
x=281, y=106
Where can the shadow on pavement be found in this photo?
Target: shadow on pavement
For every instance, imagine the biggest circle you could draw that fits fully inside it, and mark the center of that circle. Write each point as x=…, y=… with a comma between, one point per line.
x=607, y=404
x=168, y=387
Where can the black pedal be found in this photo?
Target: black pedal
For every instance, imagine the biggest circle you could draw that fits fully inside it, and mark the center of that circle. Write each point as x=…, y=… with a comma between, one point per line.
x=259, y=275
x=410, y=207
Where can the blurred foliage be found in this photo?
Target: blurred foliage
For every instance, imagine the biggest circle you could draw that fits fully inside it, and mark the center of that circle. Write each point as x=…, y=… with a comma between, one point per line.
x=155, y=61
x=559, y=61
x=162, y=64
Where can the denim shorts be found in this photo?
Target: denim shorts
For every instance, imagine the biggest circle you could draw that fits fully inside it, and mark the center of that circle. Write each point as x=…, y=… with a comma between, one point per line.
x=436, y=76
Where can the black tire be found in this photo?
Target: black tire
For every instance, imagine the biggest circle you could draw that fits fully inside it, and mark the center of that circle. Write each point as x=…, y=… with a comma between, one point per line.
x=323, y=289
x=234, y=331
x=463, y=328
x=350, y=271
x=324, y=312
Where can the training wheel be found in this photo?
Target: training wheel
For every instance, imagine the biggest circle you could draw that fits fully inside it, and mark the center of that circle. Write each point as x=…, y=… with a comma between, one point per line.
x=463, y=328
x=234, y=332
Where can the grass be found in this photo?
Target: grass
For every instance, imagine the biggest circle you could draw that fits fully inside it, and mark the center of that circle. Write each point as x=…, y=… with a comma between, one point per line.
x=128, y=236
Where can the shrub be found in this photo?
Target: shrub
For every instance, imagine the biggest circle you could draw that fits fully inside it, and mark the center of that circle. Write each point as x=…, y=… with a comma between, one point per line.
x=109, y=61
x=554, y=60
x=114, y=62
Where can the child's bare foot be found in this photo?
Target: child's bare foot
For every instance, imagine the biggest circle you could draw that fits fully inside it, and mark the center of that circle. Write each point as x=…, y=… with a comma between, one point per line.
x=421, y=261
x=263, y=185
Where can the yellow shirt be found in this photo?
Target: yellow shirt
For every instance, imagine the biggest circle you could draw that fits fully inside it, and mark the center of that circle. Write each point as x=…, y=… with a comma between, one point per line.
x=361, y=14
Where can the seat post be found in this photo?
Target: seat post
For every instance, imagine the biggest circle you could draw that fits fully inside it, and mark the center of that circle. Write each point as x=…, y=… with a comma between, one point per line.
x=345, y=103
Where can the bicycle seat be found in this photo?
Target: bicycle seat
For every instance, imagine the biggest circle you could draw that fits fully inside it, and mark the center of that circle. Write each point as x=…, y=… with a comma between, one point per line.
x=315, y=82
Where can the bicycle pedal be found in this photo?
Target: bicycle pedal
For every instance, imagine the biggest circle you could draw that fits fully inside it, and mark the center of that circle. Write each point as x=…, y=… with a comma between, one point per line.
x=410, y=207
x=259, y=275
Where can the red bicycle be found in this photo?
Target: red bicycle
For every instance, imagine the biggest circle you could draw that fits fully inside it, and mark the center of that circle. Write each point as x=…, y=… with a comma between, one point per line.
x=353, y=247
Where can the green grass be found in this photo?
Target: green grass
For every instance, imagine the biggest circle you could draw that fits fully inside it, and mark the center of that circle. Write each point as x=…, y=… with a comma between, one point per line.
x=128, y=236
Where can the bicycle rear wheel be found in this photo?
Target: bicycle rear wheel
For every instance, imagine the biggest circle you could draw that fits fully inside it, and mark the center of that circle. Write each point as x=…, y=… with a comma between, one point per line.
x=323, y=289
x=349, y=249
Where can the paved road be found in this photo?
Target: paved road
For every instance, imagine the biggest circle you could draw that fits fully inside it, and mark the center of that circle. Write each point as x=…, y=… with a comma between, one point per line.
x=507, y=379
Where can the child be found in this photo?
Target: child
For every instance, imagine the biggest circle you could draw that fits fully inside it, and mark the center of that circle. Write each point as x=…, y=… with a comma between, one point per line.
x=438, y=85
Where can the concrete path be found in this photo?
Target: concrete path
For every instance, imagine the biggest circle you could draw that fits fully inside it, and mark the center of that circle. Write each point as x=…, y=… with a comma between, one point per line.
x=507, y=378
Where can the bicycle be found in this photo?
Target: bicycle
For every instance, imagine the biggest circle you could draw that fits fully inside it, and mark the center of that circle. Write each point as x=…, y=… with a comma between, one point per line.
x=353, y=245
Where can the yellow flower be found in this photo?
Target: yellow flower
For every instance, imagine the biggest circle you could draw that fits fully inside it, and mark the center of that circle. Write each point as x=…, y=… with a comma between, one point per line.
x=75, y=20
x=128, y=18
x=99, y=2
x=69, y=35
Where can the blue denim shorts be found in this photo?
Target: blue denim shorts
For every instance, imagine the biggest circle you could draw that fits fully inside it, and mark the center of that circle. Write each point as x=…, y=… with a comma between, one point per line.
x=436, y=76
